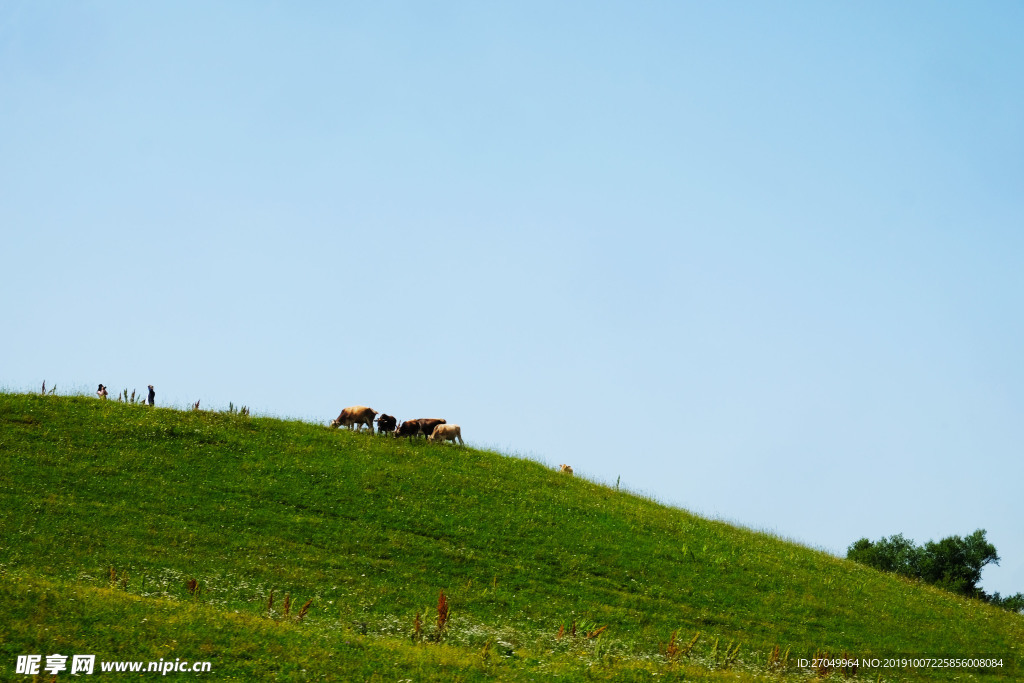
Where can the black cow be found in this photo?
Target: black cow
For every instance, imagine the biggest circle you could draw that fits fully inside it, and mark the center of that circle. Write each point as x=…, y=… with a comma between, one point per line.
x=386, y=423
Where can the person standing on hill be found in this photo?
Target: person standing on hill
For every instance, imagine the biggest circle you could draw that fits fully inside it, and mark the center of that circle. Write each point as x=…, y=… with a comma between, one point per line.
x=152, y=396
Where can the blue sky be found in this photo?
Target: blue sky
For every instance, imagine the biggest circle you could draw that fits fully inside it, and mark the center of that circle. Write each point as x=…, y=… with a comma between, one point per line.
x=759, y=260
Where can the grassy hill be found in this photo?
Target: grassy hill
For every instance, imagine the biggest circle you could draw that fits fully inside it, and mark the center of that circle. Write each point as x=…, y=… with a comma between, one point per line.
x=144, y=534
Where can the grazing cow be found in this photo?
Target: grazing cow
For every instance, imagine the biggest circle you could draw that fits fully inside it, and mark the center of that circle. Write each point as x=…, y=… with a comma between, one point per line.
x=424, y=426
x=355, y=416
x=102, y=392
x=447, y=432
x=427, y=425
x=408, y=428
x=565, y=469
x=386, y=423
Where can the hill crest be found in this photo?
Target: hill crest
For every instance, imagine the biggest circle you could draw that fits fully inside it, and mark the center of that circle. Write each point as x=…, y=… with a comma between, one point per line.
x=372, y=529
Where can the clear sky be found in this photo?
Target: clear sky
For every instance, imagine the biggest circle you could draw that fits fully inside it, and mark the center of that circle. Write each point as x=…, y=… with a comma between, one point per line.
x=762, y=261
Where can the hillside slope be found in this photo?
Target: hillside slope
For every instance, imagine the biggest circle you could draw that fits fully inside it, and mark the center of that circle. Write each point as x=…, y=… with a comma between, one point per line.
x=108, y=511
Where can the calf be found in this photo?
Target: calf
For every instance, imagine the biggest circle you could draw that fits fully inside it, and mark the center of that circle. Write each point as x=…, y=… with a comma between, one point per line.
x=447, y=432
x=355, y=416
x=565, y=469
x=386, y=424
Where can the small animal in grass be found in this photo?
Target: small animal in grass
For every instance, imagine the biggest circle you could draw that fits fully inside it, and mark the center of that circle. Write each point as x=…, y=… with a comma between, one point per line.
x=102, y=392
x=565, y=469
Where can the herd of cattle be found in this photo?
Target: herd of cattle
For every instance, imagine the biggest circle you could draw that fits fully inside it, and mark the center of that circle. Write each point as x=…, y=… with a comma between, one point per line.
x=356, y=417
x=434, y=429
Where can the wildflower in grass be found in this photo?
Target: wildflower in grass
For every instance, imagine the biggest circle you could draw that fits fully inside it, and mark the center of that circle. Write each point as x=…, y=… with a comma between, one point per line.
x=672, y=648
x=417, y=628
x=442, y=613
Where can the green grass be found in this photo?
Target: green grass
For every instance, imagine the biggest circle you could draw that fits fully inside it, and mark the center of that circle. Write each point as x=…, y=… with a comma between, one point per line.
x=108, y=510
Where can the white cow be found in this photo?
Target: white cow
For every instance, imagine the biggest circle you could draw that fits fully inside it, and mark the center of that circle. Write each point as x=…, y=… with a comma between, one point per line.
x=447, y=433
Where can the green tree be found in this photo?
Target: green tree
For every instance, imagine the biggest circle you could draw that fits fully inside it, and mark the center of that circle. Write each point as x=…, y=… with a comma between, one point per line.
x=1014, y=603
x=894, y=554
x=955, y=563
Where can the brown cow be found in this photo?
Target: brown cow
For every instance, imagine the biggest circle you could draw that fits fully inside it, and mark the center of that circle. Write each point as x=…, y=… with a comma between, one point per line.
x=408, y=428
x=565, y=469
x=355, y=416
x=427, y=425
x=424, y=426
x=447, y=432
